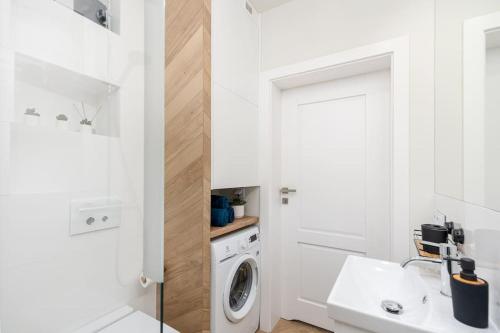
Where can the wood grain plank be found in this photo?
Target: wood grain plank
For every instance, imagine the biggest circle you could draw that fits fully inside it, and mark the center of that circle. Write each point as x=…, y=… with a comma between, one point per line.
x=187, y=165
x=231, y=227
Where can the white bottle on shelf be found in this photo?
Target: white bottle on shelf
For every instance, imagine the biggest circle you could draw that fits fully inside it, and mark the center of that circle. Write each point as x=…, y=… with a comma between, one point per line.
x=86, y=129
x=62, y=122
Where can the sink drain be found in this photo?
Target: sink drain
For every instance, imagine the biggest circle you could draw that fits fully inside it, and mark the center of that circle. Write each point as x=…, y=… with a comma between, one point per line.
x=392, y=307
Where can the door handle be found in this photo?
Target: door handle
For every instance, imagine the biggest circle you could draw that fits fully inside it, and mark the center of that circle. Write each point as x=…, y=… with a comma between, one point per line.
x=286, y=190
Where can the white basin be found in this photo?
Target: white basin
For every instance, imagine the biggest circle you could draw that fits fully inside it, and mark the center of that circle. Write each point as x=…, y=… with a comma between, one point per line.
x=355, y=300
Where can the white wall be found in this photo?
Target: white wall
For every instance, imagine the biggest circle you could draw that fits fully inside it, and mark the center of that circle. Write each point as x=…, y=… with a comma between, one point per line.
x=50, y=281
x=450, y=16
x=6, y=103
x=492, y=132
x=304, y=29
x=6, y=66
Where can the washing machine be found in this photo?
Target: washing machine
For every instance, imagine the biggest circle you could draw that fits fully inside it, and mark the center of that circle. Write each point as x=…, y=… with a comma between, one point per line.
x=235, y=293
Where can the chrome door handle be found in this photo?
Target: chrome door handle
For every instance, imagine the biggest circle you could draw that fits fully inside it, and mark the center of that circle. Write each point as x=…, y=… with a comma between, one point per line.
x=286, y=190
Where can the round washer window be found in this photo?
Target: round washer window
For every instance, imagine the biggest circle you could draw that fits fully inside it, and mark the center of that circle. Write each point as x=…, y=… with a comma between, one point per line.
x=241, y=286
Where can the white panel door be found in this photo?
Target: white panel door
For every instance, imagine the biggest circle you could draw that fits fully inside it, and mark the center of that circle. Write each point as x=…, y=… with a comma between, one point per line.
x=337, y=155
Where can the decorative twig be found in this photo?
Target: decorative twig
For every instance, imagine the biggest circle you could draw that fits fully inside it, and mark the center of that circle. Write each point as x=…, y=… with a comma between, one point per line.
x=96, y=113
x=83, y=109
x=79, y=113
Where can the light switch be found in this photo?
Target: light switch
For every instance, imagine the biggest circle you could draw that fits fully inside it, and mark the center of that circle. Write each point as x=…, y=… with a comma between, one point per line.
x=88, y=215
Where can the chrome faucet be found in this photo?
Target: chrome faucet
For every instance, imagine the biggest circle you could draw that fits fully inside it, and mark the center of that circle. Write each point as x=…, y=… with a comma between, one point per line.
x=448, y=257
x=421, y=259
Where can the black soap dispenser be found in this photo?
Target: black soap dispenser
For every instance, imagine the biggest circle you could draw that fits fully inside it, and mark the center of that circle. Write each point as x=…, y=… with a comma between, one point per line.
x=470, y=296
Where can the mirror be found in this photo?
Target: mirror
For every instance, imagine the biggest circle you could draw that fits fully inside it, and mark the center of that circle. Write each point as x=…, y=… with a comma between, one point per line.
x=467, y=74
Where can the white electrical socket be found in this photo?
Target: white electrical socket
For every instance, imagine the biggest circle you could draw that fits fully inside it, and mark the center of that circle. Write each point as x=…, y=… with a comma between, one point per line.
x=438, y=218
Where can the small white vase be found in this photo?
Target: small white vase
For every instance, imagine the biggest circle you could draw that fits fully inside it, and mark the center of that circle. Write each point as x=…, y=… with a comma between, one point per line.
x=62, y=124
x=86, y=129
x=31, y=120
x=239, y=211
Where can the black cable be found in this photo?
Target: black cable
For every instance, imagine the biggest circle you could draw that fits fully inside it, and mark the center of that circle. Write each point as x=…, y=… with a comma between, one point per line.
x=161, y=307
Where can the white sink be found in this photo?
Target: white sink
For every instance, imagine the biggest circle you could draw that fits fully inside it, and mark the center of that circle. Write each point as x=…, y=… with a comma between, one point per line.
x=355, y=302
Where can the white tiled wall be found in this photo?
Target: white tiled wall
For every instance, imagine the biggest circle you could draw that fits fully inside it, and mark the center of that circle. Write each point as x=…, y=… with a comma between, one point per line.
x=6, y=84
x=4, y=157
x=57, y=35
x=6, y=109
x=5, y=23
x=50, y=32
x=482, y=239
x=44, y=160
x=3, y=214
x=53, y=282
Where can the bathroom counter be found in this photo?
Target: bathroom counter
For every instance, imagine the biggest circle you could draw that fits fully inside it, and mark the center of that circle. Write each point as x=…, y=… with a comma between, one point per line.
x=236, y=225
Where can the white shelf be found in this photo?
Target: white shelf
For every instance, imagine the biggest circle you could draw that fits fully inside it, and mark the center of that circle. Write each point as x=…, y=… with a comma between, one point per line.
x=62, y=81
x=48, y=30
x=62, y=135
x=54, y=90
x=237, y=224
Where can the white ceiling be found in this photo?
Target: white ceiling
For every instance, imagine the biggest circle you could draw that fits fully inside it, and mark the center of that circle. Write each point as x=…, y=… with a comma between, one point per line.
x=263, y=5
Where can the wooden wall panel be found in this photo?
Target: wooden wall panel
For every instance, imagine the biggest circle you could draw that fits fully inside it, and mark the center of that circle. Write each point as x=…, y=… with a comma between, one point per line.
x=187, y=168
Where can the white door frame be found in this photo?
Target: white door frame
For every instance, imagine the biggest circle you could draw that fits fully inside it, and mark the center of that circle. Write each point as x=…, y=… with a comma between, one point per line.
x=474, y=73
x=393, y=54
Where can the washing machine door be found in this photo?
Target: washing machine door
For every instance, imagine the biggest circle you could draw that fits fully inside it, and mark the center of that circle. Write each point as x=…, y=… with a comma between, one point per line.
x=240, y=293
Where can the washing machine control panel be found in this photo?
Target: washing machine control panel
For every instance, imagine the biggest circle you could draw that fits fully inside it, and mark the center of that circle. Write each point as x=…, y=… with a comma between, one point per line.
x=250, y=242
x=230, y=246
x=243, y=245
x=228, y=251
x=247, y=242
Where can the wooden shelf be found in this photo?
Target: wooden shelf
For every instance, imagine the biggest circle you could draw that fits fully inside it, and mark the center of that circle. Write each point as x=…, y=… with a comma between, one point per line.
x=236, y=225
x=423, y=253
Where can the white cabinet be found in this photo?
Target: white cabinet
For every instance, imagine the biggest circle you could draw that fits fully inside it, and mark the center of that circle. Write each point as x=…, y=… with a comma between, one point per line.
x=235, y=94
x=234, y=141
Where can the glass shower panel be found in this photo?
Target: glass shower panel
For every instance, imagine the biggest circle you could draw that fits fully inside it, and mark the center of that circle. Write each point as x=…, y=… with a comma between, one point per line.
x=72, y=160
x=6, y=108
